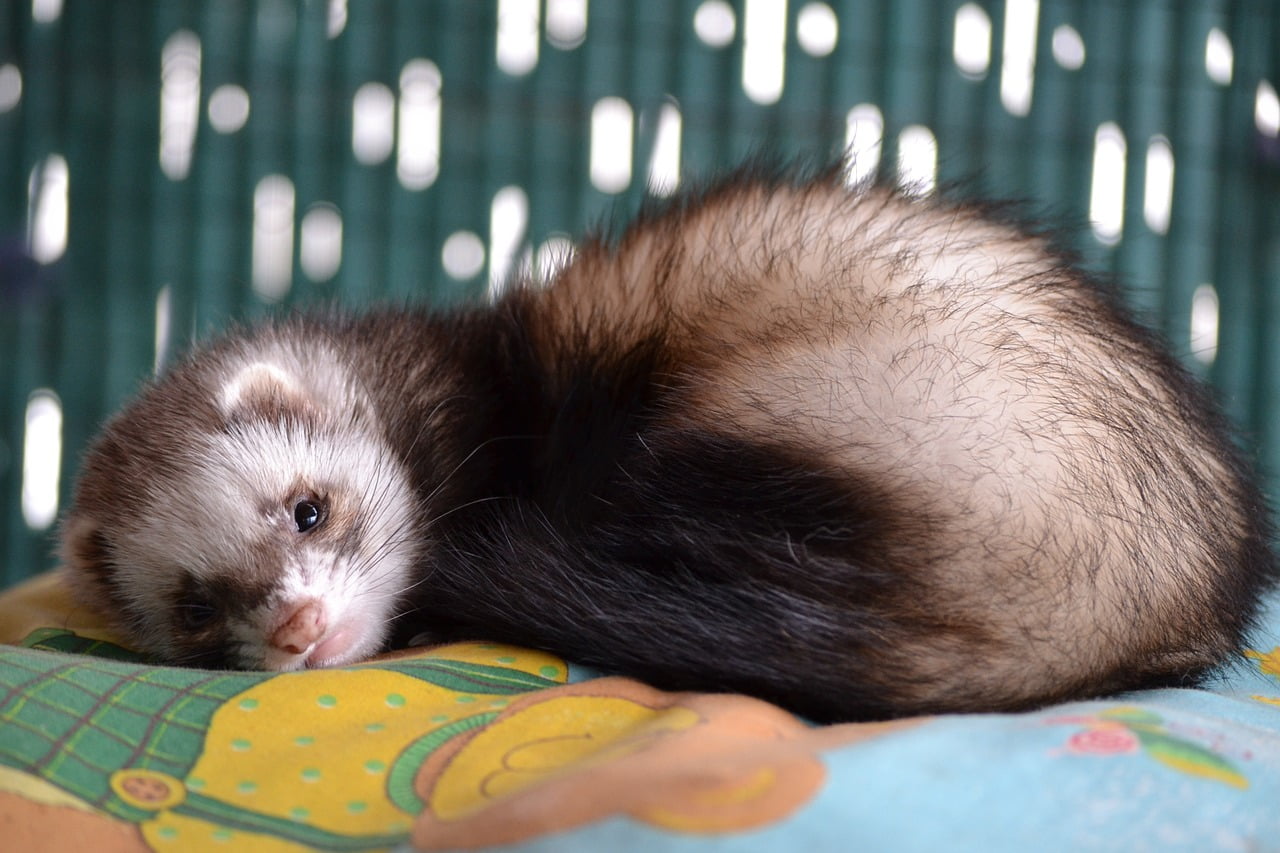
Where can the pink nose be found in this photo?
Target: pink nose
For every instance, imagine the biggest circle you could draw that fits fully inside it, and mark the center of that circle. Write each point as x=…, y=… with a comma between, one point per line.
x=301, y=629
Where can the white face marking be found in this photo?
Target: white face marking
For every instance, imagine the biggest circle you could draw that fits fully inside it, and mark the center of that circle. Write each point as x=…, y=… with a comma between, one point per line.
x=355, y=616
x=229, y=512
x=358, y=580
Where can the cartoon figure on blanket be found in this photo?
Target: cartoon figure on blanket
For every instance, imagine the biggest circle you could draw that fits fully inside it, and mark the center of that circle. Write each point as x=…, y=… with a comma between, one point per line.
x=459, y=746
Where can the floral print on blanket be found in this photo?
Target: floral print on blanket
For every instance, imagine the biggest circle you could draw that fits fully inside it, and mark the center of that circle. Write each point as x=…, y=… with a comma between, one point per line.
x=1130, y=730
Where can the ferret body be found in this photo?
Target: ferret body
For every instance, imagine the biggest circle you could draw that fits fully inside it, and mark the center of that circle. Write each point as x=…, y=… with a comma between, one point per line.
x=857, y=453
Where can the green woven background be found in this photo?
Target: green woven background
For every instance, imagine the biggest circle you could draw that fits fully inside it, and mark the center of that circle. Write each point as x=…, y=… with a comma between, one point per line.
x=84, y=323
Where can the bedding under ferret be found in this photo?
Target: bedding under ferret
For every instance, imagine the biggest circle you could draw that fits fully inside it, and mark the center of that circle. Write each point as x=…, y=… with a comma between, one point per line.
x=474, y=745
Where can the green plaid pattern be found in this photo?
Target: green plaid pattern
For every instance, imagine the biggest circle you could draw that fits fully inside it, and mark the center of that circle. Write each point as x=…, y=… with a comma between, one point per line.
x=74, y=721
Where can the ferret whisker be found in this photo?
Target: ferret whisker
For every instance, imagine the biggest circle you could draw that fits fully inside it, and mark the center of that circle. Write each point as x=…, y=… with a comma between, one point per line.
x=428, y=423
x=475, y=450
x=467, y=505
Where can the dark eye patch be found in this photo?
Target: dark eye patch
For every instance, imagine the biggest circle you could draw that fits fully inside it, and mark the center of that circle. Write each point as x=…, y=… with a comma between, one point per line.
x=195, y=615
x=196, y=606
x=205, y=603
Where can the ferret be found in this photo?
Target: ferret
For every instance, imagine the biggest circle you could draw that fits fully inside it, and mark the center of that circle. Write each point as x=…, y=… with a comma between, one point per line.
x=854, y=451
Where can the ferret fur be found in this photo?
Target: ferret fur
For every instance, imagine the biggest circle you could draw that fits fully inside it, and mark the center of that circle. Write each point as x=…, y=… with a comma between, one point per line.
x=855, y=452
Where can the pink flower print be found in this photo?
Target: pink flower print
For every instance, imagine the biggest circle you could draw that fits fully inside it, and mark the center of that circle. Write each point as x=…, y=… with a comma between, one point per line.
x=1105, y=739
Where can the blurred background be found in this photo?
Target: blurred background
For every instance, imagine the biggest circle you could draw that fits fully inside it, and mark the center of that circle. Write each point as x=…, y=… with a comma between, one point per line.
x=169, y=166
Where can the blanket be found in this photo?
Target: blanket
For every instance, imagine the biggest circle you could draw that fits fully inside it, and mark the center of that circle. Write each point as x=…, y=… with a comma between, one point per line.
x=482, y=746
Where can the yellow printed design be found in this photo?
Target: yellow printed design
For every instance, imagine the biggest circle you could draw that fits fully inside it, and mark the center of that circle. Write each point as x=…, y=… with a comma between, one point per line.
x=1268, y=662
x=571, y=755
x=313, y=749
x=457, y=746
x=265, y=762
x=537, y=741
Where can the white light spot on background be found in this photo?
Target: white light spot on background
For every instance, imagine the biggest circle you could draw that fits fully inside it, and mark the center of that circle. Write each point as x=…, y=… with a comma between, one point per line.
x=10, y=87
x=517, y=48
x=336, y=20
x=714, y=23
x=373, y=123
x=863, y=138
x=552, y=256
x=764, y=49
x=508, y=221
x=1266, y=109
x=41, y=459
x=46, y=11
x=664, y=163
x=164, y=326
x=566, y=23
x=179, y=102
x=418, y=150
x=1106, y=195
x=1204, y=324
x=1068, y=47
x=1219, y=58
x=228, y=108
x=47, y=200
x=320, y=242
x=817, y=29
x=917, y=160
x=273, y=204
x=611, y=142
x=1157, y=196
x=1018, y=61
x=462, y=255
x=971, y=44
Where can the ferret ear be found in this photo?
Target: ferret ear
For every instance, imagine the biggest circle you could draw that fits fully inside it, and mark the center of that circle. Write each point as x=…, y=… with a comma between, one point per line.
x=265, y=389
x=86, y=558
x=90, y=573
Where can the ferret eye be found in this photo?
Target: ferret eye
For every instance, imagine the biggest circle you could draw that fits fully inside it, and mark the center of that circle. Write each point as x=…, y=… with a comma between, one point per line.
x=195, y=615
x=307, y=514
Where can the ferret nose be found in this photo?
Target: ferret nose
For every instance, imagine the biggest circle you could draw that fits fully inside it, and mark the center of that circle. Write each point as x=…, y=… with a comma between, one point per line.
x=301, y=629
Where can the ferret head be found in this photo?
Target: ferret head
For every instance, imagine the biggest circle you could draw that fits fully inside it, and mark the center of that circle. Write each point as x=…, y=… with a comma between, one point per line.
x=246, y=512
